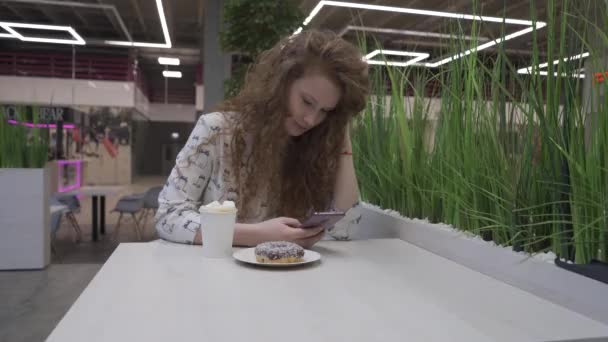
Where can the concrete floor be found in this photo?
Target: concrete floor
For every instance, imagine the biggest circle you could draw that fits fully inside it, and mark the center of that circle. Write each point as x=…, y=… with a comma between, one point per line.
x=33, y=302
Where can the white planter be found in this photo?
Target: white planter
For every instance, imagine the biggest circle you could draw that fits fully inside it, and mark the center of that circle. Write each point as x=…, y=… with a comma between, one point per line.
x=24, y=219
x=539, y=277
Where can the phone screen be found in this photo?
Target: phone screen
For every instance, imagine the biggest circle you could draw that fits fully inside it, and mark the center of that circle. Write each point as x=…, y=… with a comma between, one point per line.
x=325, y=220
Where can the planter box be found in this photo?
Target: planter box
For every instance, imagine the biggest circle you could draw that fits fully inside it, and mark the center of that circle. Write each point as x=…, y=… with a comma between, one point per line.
x=24, y=219
x=539, y=277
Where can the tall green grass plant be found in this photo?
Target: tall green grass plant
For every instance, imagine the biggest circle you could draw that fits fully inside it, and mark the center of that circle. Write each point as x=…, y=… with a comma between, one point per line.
x=21, y=146
x=510, y=157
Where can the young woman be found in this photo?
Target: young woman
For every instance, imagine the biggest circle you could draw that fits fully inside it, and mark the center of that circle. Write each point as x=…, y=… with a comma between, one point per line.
x=280, y=149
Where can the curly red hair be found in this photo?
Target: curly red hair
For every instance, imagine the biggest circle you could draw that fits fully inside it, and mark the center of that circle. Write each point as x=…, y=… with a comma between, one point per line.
x=298, y=173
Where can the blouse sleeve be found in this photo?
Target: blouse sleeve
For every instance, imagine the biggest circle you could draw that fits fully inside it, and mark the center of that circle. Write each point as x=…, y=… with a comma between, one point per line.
x=178, y=218
x=343, y=228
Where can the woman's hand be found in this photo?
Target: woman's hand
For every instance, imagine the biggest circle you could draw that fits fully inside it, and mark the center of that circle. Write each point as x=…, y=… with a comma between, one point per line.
x=287, y=229
x=277, y=229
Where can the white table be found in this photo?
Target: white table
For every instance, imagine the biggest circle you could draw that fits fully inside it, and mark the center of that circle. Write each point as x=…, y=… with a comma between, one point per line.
x=374, y=290
x=98, y=195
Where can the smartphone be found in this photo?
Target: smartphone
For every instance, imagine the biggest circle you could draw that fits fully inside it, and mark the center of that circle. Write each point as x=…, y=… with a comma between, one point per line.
x=323, y=219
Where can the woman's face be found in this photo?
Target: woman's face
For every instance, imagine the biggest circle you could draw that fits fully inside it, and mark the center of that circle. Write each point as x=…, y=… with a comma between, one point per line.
x=311, y=97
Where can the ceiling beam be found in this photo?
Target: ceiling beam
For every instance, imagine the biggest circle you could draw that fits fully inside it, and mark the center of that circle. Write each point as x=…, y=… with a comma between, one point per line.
x=140, y=18
x=54, y=19
x=433, y=24
x=16, y=12
x=200, y=15
x=110, y=18
x=389, y=17
x=169, y=15
x=82, y=19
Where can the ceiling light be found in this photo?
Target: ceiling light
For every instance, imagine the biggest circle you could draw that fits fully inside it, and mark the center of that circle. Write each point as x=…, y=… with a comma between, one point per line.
x=555, y=62
x=563, y=74
x=168, y=61
x=418, y=57
x=390, y=63
x=72, y=4
x=396, y=53
x=405, y=10
x=172, y=74
x=136, y=44
x=163, y=23
x=578, y=74
x=531, y=24
x=411, y=33
x=9, y=27
x=487, y=45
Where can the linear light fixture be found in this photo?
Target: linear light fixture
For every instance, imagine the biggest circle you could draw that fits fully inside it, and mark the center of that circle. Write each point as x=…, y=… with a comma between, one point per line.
x=7, y=35
x=75, y=4
x=172, y=74
x=410, y=33
x=390, y=63
x=563, y=74
x=405, y=10
x=537, y=26
x=168, y=61
x=418, y=57
x=531, y=24
x=576, y=74
x=9, y=27
x=163, y=22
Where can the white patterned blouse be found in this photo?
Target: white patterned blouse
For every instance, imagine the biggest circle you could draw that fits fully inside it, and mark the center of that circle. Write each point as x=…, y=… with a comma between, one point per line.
x=201, y=176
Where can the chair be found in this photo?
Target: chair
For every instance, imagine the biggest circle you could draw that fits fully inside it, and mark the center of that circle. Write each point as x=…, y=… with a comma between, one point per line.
x=150, y=203
x=59, y=210
x=73, y=206
x=130, y=204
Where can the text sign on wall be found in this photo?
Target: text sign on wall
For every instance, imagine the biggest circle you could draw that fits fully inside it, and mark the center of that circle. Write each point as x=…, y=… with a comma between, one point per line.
x=45, y=114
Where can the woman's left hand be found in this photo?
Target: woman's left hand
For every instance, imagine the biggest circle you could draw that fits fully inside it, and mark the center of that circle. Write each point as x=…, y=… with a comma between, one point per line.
x=310, y=241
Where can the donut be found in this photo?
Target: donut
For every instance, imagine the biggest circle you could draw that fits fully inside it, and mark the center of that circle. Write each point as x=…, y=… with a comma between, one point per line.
x=278, y=252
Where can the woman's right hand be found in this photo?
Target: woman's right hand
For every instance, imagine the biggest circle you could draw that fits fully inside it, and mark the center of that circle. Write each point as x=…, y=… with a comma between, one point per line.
x=287, y=229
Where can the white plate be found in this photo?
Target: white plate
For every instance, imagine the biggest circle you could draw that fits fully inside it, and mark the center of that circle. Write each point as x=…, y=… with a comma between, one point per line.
x=247, y=255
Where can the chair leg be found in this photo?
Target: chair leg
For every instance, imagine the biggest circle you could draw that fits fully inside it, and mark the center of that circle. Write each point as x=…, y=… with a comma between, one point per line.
x=53, y=248
x=144, y=212
x=75, y=226
x=136, y=227
x=54, y=237
x=145, y=219
x=117, y=228
x=154, y=235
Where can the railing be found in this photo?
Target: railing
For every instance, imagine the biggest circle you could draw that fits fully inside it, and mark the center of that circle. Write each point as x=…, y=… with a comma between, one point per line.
x=141, y=82
x=96, y=67
x=174, y=95
x=92, y=67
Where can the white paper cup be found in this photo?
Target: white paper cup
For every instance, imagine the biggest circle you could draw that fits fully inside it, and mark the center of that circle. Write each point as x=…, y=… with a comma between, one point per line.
x=217, y=231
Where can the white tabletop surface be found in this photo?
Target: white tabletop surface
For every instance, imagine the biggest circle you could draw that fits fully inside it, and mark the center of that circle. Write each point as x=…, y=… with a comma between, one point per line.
x=96, y=190
x=374, y=290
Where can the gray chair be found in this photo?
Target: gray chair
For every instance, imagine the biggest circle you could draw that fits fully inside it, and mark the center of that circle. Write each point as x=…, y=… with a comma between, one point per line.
x=73, y=206
x=130, y=204
x=150, y=198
